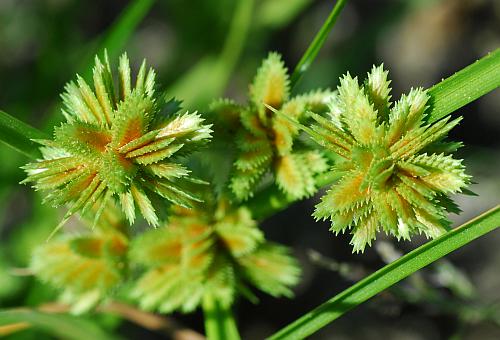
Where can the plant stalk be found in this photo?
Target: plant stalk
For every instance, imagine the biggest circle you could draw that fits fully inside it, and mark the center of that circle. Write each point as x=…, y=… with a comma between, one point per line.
x=219, y=321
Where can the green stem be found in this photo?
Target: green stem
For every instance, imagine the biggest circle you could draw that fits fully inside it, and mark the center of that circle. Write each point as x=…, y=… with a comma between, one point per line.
x=389, y=275
x=465, y=86
x=447, y=96
x=219, y=321
x=19, y=135
x=318, y=42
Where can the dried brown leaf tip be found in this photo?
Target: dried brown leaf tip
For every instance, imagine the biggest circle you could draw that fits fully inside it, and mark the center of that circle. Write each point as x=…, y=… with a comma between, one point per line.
x=266, y=141
x=119, y=141
x=395, y=168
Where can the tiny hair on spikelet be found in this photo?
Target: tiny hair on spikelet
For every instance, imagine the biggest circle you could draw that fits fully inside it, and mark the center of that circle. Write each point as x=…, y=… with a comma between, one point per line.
x=120, y=141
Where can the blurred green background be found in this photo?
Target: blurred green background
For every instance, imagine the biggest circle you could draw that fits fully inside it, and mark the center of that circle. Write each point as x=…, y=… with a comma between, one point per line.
x=43, y=43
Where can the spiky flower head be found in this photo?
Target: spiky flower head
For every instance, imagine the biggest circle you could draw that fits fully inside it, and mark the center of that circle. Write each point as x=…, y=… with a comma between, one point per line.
x=267, y=141
x=214, y=249
x=118, y=141
x=87, y=268
x=395, y=170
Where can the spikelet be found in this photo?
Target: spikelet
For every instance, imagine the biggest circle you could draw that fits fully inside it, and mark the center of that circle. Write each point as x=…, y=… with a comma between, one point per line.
x=211, y=249
x=119, y=141
x=266, y=140
x=390, y=181
x=87, y=268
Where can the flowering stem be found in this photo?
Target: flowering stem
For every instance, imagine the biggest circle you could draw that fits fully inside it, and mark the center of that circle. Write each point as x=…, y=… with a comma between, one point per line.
x=389, y=275
x=318, y=42
x=454, y=92
x=219, y=321
x=19, y=135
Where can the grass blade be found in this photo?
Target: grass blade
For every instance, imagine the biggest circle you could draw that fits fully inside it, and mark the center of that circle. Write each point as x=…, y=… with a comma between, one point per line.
x=19, y=135
x=465, y=86
x=60, y=326
x=389, y=275
x=318, y=42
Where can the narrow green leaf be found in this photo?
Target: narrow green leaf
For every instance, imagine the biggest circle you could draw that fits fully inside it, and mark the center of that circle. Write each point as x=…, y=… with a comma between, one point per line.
x=219, y=321
x=465, y=86
x=389, y=275
x=61, y=326
x=19, y=135
x=318, y=42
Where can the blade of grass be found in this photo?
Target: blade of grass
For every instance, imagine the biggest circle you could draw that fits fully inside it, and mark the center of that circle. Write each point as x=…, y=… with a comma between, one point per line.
x=19, y=135
x=454, y=92
x=318, y=42
x=219, y=321
x=389, y=275
x=465, y=86
x=61, y=326
x=208, y=78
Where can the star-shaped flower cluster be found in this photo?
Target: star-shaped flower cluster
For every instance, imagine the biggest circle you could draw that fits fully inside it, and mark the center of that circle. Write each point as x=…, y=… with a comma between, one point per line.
x=118, y=141
x=266, y=141
x=88, y=268
x=395, y=170
x=213, y=249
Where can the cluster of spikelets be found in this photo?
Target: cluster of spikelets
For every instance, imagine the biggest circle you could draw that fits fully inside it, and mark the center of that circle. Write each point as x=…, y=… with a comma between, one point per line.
x=122, y=149
x=118, y=142
x=88, y=268
x=215, y=249
x=395, y=169
x=268, y=142
x=212, y=249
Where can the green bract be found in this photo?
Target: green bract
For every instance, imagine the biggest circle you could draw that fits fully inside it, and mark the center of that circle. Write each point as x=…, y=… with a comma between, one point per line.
x=118, y=144
x=395, y=169
x=212, y=249
x=265, y=140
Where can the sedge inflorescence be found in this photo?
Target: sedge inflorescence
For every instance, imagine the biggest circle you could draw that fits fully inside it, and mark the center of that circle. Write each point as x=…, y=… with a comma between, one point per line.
x=118, y=142
x=267, y=142
x=395, y=170
x=89, y=267
x=213, y=249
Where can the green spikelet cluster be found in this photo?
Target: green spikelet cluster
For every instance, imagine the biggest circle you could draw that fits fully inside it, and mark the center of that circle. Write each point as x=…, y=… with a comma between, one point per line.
x=87, y=268
x=118, y=141
x=265, y=140
x=208, y=250
x=396, y=173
